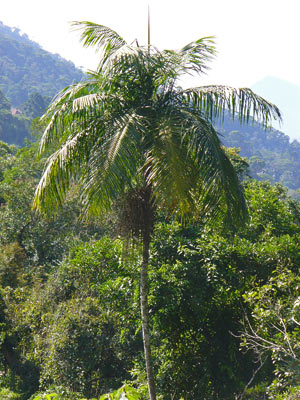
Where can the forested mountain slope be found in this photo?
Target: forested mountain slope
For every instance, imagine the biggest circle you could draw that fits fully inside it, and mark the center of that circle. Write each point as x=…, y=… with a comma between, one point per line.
x=15, y=124
x=13, y=128
x=271, y=154
x=26, y=68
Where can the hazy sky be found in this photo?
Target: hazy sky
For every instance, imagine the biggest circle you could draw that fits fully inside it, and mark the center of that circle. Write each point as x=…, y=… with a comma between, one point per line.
x=254, y=38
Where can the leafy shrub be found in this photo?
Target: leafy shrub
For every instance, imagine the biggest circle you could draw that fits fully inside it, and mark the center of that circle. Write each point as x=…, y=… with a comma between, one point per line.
x=291, y=394
x=57, y=393
x=6, y=394
x=125, y=392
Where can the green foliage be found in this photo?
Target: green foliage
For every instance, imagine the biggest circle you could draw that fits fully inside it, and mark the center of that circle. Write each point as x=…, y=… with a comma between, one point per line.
x=273, y=212
x=78, y=321
x=198, y=283
x=257, y=392
x=274, y=326
x=126, y=392
x=12, y=258
x=240, y=164
x=81, y=324
x=57, y=393
x=290, y=394
x=18, y=223
x=4, y=103
x=6, y=394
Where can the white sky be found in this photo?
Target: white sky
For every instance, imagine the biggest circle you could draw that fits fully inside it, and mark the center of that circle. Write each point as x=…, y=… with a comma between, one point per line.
x=254, y=38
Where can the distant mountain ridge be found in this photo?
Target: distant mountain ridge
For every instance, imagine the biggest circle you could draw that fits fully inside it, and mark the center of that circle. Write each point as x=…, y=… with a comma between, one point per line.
x=26, y=68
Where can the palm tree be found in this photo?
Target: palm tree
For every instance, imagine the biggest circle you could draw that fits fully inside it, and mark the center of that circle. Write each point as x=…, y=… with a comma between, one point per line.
x=129, y=132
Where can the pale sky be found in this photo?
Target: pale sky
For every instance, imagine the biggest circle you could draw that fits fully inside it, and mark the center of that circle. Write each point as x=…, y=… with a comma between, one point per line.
x=254, y=38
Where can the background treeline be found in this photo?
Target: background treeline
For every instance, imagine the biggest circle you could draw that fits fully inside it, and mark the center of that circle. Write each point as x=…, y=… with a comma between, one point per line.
x=69, y=309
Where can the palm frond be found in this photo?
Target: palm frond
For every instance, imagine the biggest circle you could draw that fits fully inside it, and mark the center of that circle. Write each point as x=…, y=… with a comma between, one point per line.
x=192, y=58
x=60, y=167
x=106, y=40
x=187, y=168
x=60, y=112
x=121, y=59
x=99, y=36
x=196, y=55
x=168, y=168
x=213, y=101
x=76, y=108
x=113, y=164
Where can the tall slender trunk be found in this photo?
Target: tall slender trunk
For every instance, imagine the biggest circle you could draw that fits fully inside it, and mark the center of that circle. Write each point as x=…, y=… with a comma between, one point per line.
x=145, y=314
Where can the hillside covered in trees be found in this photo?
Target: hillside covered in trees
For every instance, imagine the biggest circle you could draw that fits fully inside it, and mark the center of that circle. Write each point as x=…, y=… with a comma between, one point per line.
x=270, y=153
x=26, y=68
x=15, y=124
x=29, y=78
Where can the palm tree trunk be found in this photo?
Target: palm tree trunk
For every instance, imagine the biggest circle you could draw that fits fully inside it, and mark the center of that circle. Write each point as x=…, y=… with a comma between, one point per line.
x=145, y=315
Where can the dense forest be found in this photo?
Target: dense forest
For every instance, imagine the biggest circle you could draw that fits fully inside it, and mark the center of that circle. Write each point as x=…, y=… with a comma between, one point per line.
x=223, y=295
x=69, y=298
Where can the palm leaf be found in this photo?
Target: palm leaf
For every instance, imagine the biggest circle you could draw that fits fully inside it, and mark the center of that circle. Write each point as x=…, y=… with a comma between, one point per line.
x=104, y=39
x=213, y=101
x=98, y=36
x=168, y=168
x=59, y=114
x=217, y=180
x=60, y=168
x=113, y=164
